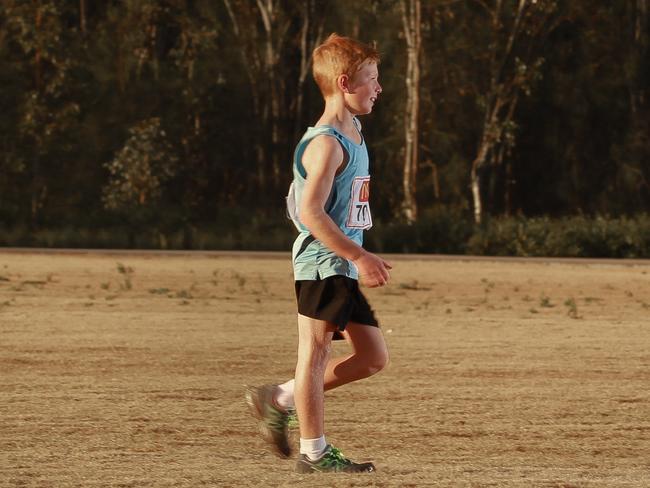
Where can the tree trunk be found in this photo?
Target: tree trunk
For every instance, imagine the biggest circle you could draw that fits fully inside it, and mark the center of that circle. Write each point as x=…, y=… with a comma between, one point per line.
x=82, y=16
x=309, y=38
x=502, y=95
x=35, y=193
x=411, y=17
x=640, y=50
x=475, y=179
x=509, y=185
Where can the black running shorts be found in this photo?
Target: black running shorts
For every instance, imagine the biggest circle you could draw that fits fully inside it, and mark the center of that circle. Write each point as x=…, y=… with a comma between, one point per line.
x=336, y=299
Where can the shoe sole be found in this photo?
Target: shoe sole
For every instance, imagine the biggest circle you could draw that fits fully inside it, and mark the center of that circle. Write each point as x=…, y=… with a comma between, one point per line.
x=305, y=468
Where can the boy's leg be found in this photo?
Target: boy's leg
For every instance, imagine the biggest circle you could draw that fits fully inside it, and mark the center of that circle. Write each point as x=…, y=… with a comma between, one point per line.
x=314, y=342
x=369, y=356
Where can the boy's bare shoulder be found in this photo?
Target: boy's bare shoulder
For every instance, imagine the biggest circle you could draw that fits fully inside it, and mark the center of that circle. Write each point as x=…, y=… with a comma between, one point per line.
x=323, y=149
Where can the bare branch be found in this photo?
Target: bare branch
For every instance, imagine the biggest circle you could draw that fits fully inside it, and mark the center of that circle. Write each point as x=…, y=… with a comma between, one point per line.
x=265, y=12
x=233, y=18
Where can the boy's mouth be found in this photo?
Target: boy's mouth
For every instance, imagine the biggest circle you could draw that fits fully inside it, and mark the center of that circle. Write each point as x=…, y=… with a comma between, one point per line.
x=373, y=99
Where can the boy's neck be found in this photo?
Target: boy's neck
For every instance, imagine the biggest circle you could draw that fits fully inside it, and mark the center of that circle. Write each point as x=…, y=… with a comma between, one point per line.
x=336, y=114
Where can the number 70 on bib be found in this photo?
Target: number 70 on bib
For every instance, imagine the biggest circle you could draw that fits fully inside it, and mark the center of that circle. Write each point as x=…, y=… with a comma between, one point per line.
x=359, y=216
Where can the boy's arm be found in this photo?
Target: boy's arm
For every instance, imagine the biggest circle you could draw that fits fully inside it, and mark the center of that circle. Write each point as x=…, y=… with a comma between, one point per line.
x=321, y=160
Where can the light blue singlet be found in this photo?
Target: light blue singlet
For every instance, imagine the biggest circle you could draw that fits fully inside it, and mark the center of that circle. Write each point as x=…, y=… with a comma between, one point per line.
x=347, y=205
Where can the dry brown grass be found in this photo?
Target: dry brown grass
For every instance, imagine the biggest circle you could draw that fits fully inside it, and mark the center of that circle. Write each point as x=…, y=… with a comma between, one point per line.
x=501, y=374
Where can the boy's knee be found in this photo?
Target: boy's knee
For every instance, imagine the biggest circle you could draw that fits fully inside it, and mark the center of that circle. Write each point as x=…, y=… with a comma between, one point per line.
x=377, y=362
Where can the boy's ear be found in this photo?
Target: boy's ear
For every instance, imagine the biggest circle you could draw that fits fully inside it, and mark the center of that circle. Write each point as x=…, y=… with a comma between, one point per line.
x=343, y=83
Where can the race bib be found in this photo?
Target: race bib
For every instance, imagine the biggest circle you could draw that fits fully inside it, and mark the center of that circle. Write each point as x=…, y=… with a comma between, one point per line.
x=359, y=217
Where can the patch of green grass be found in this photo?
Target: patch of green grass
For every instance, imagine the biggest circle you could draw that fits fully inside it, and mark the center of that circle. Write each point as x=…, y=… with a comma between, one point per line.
x=105, y=286
x=241, y=280
x=489, y=285
x=545, y=302
x=36, y=283
x=183, y=294
x=592, y=299
x=127, y=273
x=572, y=308
x=412, y=285
x=159, y=291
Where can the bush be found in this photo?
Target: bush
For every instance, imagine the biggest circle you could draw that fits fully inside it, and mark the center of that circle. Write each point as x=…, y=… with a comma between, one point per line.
x=577, y=236
x=439, y=231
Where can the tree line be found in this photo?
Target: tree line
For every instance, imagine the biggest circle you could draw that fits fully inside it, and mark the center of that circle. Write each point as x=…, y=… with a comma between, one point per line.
x=180, y=113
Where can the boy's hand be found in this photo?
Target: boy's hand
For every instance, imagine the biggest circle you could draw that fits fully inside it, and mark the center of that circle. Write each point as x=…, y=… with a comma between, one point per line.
x=373, y=271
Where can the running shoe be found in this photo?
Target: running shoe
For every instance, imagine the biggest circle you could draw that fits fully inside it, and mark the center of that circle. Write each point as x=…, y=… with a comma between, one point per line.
x=274, y=422
x=333, y=461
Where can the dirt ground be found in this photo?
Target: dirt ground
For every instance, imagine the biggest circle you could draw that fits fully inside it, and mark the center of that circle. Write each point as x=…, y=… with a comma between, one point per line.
x=127, y=370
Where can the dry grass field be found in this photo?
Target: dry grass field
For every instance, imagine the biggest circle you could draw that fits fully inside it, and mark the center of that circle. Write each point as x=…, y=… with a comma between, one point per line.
x=127, y=370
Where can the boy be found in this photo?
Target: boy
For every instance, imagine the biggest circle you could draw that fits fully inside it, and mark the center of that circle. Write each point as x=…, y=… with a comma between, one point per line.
x=328, y=202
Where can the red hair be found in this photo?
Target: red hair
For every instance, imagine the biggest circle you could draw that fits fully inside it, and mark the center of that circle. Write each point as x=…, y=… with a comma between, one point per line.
x=337, y=56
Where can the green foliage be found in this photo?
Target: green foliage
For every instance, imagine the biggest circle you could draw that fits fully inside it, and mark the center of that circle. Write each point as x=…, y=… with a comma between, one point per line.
x=568, y=237
x=126, y=272
x=140, y=168
x=438, y=232
x=195, y=113
x=572, y=308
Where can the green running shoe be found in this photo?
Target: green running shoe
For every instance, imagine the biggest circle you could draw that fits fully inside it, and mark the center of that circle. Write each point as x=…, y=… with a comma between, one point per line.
x=333, y=461
x=292, y=418
x=274, y=422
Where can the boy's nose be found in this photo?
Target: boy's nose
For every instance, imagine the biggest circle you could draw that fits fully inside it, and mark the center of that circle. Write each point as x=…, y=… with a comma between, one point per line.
x=378, y=89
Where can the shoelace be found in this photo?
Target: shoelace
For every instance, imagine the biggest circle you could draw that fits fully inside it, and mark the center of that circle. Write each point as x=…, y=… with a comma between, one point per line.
x=336, y=457
x=292, y=418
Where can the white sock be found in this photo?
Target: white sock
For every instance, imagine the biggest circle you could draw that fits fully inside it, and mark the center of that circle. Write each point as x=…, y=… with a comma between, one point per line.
x=284, y=395
x=313, y=448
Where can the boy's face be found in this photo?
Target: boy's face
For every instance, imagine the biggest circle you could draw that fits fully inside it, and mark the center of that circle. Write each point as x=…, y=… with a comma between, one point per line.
x=363, y=89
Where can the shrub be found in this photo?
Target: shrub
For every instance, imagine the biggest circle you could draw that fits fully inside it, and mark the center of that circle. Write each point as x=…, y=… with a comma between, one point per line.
x=438, y=231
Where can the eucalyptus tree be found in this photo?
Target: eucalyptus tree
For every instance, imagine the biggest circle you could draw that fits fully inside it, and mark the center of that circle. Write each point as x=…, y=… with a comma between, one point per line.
x=516, y=29
x=263, y=31
x=411, y=11
x=138, y=173
x=34, y=37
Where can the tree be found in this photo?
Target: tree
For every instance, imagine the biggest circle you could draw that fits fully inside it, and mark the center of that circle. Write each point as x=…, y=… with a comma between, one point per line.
x=634, y=156
x=311, y=34
x=412, y=20
x=47, y=110
x=138, y=172
x=516, y=32
x=262, y=32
